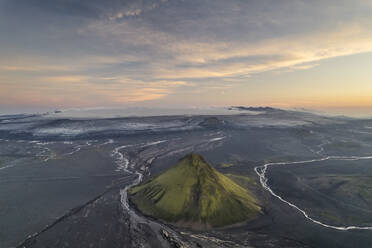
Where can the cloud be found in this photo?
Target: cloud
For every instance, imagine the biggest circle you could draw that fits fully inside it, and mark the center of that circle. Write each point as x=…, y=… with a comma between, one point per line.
x=71, y=90
x=128, y=13
x=192, y=59
x=92, y=53
x=304, y=66
x=22, y=67
x=71, y=63
x=202, y=60
x=66, y=79
x=182, y=64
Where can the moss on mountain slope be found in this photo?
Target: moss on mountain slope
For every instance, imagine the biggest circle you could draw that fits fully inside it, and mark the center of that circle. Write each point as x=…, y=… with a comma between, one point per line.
x=193, y=193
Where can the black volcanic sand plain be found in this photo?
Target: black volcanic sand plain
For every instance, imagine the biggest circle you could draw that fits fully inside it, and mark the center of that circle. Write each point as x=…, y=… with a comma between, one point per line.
x=336, y=192
x=74, y=185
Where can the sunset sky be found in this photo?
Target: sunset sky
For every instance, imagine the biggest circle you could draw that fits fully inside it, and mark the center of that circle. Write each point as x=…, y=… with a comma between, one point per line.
x=184, y=53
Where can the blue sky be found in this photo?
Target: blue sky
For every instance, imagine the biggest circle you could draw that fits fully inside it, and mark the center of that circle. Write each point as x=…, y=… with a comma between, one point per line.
x=69, y=53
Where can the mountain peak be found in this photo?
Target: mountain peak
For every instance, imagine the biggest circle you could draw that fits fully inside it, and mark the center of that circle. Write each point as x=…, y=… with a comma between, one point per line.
x=195, y=159
x=193, y=156
x=193, y=193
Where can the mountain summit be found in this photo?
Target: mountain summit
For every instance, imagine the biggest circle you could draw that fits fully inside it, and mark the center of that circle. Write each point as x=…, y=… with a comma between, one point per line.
x=194, y=194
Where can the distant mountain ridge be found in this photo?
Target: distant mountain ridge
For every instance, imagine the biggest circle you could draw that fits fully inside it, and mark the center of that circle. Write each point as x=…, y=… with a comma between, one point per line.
x=256, y=109
x=194, y=194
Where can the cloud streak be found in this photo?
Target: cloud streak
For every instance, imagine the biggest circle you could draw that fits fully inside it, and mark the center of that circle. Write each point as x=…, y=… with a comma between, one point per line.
x=190, y=59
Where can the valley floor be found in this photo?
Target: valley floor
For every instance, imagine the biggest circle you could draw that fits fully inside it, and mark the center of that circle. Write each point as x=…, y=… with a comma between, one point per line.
x=69, y=191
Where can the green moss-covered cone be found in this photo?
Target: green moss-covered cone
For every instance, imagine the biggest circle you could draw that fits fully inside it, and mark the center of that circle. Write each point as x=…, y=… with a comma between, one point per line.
x=192, y=193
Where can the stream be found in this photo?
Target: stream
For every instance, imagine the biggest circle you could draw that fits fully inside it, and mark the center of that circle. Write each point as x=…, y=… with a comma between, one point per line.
x=261, y=172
